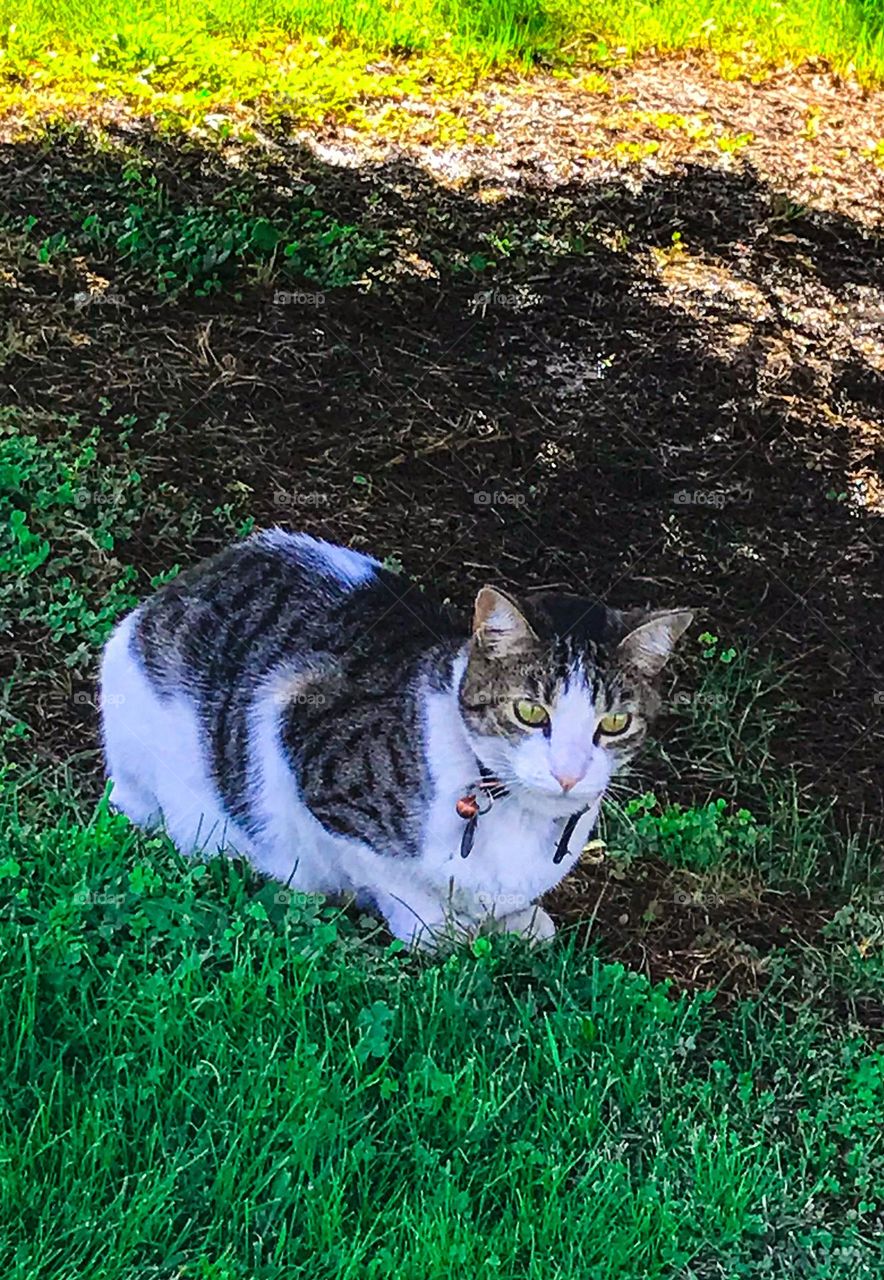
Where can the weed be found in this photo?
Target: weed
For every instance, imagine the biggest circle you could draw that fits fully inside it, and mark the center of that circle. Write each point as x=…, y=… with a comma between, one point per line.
x=176, y=246
x=61, y=515
x=693, y=838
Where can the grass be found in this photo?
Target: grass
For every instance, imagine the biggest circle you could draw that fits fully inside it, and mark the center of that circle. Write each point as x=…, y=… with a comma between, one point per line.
x=303, y=60
x=204, y=1080
x=492, y=31
x=208, y=1077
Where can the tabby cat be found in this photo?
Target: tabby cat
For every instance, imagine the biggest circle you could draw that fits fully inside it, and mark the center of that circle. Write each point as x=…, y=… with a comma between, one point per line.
x=297, y=704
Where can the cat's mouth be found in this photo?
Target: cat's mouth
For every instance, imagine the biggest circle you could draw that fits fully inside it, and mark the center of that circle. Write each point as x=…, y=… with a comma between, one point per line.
x=557, y=803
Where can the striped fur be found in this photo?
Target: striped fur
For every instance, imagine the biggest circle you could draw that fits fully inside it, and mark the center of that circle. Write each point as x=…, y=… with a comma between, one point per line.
x=297, y=703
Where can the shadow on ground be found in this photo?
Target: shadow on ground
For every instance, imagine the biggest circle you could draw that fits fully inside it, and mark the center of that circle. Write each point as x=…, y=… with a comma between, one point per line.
x=594, y=404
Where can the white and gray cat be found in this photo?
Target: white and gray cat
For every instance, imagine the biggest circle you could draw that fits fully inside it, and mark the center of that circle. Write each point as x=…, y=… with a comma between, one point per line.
x=297, y=704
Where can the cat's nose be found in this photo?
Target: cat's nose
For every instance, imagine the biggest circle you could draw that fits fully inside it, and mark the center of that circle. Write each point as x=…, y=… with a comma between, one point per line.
x=567, y=780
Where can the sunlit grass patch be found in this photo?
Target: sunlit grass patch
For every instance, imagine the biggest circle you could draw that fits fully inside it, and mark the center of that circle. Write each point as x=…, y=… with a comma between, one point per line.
x=217, y=66
x=216, y=89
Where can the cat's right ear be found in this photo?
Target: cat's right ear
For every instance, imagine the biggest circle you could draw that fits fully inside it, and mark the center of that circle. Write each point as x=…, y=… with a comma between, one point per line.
x=500, y=629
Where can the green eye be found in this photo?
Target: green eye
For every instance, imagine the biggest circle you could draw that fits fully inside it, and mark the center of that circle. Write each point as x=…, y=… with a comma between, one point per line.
x=616, y=724
x=531, y=713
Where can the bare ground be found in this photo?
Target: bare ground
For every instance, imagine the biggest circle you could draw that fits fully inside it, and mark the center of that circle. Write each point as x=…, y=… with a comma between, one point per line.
x=674, y=395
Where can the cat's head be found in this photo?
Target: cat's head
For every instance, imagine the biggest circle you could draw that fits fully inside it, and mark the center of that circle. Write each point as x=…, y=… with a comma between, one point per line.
x=558, y=693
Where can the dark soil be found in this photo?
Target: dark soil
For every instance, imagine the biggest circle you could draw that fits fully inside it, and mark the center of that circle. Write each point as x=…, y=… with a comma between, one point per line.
x=657, y=920
x=630, y=421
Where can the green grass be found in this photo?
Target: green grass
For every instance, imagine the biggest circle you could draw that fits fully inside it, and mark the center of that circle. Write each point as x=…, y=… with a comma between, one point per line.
x=60, y=516
x=304, y=58
x=207, y=1077
x=201, y=1080
x=495, y=31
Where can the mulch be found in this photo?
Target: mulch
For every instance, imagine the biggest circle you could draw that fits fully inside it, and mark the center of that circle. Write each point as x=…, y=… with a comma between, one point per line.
x=671, y=925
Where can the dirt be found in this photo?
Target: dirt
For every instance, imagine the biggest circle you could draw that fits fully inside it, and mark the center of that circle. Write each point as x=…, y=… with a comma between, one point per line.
x=692, y=420
x=808, y=133
x=673, y=926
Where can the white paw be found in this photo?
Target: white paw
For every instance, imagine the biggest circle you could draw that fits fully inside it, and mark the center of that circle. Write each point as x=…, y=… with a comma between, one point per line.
x=443, y=936
x=532, y=923
x=136, y=803
x=425, y=932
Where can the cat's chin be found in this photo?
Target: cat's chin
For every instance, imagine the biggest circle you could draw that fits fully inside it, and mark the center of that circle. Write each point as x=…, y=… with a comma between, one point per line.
x=556, y=805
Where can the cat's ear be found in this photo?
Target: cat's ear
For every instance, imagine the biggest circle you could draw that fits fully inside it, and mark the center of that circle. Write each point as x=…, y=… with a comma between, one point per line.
x=648, y=646
x=499, y=626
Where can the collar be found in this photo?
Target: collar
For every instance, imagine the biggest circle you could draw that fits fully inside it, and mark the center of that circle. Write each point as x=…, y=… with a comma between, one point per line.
x=480, y=798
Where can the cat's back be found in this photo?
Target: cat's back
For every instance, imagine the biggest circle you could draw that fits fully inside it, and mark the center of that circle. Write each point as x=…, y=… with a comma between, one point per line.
x=282, y=641
x=270, y=594
x=275, y=597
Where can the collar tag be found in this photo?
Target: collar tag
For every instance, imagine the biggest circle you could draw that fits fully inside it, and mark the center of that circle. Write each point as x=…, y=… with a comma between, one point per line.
x=576, y=833
x=476, y=801
x=469, y=835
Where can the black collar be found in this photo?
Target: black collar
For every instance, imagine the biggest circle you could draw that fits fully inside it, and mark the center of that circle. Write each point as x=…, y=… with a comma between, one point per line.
x=491, y=789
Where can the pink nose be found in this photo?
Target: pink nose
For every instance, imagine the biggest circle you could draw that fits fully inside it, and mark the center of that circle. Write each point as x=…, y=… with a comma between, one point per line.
x=566, y=781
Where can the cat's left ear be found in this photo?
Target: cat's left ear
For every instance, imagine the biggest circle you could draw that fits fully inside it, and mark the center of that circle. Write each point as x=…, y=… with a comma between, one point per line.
x=648, y=646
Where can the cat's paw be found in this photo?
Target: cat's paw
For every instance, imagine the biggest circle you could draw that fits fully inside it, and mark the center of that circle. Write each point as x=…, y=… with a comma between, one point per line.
x=532, y=923
x=444, y=936
x=428, y=933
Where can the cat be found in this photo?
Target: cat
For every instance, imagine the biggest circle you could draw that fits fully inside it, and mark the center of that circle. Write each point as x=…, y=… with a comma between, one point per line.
x=299, y=705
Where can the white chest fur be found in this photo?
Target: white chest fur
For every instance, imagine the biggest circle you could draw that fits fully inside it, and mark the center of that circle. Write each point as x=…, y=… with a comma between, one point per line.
x=511, y=862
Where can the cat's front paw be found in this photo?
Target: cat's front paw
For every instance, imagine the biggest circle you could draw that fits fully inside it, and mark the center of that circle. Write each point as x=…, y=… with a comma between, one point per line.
x=430, y=932
x=444, y=936
x=532, y=923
